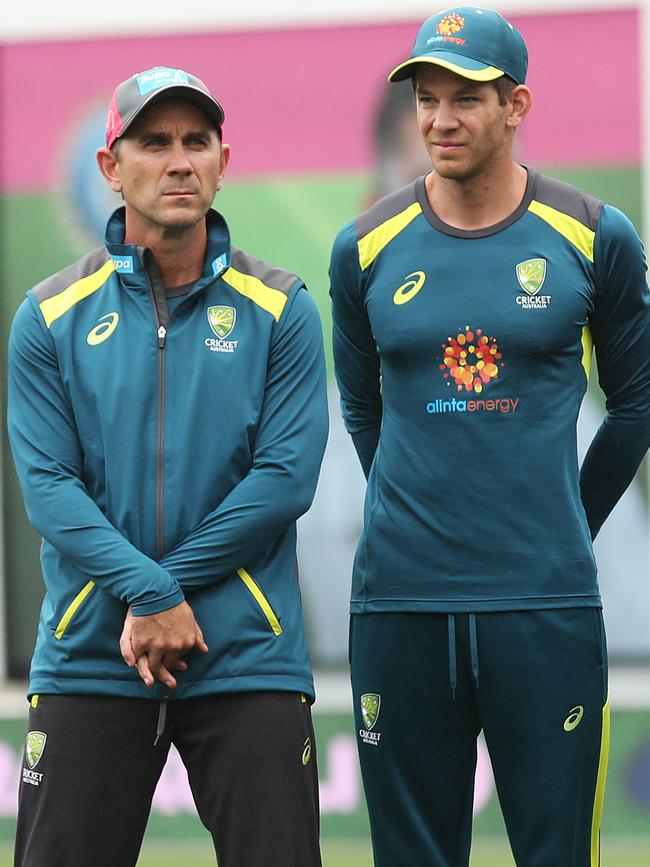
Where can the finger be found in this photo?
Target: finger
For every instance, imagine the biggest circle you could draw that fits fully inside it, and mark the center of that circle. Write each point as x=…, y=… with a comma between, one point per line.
x=144, y=670
x=126, y=649
x=200, y=640
x=176, y=665
x=166, y=677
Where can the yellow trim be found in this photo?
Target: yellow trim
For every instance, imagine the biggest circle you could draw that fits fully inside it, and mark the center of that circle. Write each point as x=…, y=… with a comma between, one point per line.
x=374, y=242
x=53, y=308
x=72, y=608
x=261, y=600
x=271, y=300
x=587, y=349
x=34, y=701
x=599, y=796
x=488, y=73
x=573, y=230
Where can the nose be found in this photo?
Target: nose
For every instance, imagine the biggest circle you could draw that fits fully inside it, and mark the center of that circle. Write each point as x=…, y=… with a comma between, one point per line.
x=179, y=162
x=444, y=117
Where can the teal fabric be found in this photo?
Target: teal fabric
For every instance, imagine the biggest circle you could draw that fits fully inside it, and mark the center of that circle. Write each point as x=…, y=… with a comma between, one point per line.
x=475, y=501
x=157, y=471
x=540, y=672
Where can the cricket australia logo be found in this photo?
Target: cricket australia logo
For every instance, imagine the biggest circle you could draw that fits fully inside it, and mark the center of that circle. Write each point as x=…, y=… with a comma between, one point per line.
x=370, y=705
x=531, y=275
x=222, y=321
x=34, y=749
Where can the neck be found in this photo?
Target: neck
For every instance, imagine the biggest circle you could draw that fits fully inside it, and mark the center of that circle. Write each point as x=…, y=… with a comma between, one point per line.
x=179, y=252
x=480, y=201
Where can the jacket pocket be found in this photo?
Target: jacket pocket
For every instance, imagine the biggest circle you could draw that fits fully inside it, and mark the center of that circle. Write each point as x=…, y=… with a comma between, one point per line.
x=257, y=594
x=72, y=609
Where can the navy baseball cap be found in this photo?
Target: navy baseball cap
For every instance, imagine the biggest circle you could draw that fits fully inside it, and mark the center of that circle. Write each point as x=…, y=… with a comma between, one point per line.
x=471, y=41
x=135, y=94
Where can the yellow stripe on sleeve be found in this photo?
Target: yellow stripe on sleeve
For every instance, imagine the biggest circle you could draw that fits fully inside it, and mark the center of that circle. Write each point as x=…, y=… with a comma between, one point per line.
x=271, y=300
x=53, y=308
x=587, y=349
x=573, y=230
x=599, y=797
x=371, y=245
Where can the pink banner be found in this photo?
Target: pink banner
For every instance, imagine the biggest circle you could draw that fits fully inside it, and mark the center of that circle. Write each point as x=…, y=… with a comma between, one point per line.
x=304, y=100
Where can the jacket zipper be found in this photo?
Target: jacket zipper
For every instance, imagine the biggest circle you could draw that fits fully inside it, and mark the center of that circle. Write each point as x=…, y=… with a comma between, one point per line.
x=161, y=314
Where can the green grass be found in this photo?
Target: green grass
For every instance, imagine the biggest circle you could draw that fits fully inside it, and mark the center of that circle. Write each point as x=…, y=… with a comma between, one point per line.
x=488, y=852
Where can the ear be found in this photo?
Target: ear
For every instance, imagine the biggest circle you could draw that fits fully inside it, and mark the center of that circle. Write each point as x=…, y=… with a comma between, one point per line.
x=109, y=166
x=225, y=159
x=519, y=102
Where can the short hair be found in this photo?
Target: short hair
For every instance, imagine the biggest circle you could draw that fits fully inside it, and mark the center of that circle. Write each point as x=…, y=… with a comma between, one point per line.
x=504, y=87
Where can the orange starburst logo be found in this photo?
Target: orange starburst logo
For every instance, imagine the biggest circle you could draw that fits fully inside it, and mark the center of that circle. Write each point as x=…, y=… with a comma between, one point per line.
x=470, y=360
x=450, y=24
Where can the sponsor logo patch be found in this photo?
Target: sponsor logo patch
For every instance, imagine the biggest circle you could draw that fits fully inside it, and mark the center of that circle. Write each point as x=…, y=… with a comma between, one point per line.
x=162, y=76
x=471, y=360
x=123, y=264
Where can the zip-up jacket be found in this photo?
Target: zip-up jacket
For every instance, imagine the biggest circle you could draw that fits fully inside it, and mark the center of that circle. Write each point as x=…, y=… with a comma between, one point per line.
x=165, y=449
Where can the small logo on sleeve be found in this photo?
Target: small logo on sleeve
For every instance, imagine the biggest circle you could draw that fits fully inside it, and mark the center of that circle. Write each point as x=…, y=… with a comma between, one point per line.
x=370, y=706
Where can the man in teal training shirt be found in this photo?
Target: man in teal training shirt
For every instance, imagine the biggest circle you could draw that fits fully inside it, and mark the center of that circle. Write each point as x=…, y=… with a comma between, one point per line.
x=466, y=306
x=168, y=416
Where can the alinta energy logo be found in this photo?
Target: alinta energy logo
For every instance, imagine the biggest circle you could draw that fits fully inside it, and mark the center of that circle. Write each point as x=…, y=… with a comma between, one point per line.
x=471, y=361
x=447, y=28
x=450, y=24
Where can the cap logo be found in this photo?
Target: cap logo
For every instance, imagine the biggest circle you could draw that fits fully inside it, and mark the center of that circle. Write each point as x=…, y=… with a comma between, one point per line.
x=450, y=24
x=161, y=76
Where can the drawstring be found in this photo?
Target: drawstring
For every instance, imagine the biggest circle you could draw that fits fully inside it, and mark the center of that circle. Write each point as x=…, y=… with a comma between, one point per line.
x=473, y=647
x=473, y=651
x=162, y=719
x=451, y=624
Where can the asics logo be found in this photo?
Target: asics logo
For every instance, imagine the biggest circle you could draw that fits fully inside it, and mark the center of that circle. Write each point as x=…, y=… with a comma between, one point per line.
x=101, y=332
x=574, y=718
x=306, y=753
x=410, y=287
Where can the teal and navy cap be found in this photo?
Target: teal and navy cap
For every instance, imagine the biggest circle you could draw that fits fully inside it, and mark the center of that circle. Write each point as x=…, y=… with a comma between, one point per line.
x=473, y=42
x=132, y=96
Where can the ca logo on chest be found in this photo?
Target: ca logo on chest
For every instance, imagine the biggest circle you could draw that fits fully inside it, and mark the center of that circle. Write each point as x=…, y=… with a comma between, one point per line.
x=409, y=288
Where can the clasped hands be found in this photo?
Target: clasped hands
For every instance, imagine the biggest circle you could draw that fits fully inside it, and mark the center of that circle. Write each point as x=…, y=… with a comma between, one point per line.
x=156, y=643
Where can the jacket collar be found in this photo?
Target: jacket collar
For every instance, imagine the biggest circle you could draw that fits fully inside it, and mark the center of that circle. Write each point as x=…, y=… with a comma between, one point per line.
x=131, y=260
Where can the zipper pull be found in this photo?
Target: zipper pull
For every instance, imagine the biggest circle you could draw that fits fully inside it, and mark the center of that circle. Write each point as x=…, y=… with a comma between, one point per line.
x=162, y=334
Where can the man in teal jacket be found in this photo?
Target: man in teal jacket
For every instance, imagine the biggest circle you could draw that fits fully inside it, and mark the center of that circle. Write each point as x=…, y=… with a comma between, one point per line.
x=167, y=415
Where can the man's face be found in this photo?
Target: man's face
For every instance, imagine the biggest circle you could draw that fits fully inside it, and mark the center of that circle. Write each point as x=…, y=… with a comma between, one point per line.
x=169, y=166
x=465, y=129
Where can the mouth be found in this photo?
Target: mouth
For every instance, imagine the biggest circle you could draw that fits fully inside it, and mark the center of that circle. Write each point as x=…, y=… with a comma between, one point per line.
x=179, y=194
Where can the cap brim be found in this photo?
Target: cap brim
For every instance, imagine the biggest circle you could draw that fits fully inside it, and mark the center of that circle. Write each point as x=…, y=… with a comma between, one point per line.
x=185, y=91
x=457, y=63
